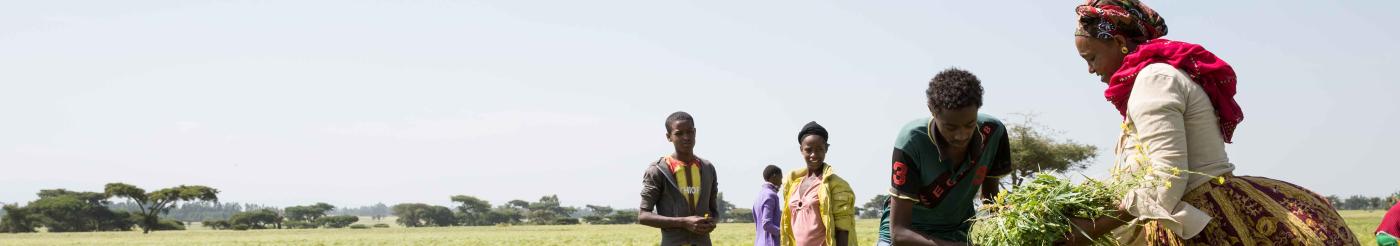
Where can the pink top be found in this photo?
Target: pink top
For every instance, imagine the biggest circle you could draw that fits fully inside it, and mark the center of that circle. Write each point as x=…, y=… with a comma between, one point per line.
x=1390, y=223
x=807, y=228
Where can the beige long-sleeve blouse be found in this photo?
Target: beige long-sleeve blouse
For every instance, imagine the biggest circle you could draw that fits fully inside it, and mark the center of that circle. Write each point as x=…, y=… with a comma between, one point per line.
x=1173, y=117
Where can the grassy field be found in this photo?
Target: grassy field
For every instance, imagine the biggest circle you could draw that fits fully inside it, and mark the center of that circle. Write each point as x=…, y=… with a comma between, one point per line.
x=1361, y=222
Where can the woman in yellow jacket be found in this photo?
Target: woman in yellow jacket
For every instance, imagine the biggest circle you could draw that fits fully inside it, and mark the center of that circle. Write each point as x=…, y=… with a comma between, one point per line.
x=818, y=206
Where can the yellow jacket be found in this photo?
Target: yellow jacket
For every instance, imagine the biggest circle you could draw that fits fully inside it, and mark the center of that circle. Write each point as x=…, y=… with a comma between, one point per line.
x=838, y=205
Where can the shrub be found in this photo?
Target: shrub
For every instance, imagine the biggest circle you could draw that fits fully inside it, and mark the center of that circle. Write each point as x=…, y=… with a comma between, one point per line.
x=169, y=225
x=216, y=224
x=339, y=221
x=300, y=225
x=566, y=221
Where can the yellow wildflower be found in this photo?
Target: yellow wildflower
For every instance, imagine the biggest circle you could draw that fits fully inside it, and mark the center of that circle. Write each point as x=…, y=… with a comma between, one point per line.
x=1001, y=197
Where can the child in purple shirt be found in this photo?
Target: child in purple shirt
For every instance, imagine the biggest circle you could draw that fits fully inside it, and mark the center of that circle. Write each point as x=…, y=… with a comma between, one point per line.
x=766, y=210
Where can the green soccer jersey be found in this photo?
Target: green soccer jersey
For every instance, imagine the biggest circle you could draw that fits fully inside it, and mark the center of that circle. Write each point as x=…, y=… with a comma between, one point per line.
x=943, y=196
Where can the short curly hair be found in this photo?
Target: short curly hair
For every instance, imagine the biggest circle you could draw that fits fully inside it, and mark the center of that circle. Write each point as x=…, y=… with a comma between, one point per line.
x=772, y=171
x=677, y=116
x=954, y=88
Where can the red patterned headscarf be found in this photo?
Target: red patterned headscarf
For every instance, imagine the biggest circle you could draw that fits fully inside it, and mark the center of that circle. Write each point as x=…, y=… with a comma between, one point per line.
x=1105, y=19
x=1129, y=18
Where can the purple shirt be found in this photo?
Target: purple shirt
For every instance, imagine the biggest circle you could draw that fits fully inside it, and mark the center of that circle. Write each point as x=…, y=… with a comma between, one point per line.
x=766, y=216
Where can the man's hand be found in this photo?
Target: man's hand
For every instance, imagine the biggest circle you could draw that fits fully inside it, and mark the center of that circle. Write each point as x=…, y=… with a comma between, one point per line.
x=695, y=224
x=698, y=224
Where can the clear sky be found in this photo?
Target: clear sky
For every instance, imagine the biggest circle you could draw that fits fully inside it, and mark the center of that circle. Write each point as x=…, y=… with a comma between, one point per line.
x=357, y=102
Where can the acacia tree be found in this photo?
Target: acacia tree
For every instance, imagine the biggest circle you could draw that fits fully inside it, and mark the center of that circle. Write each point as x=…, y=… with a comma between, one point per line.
x=438, y=216
x=872, y=208
x=62, y=210
x=160, y=201
x=473, y=210
x=505, y=214
x=520, y=204
x=255, y=219
x=307, y=213
x=724, y=207
x=1034, y=149
x=597, y=214
x=418, y=214
x=548, y=211
x=17, y=219
x=409, y=213
x=623, y=217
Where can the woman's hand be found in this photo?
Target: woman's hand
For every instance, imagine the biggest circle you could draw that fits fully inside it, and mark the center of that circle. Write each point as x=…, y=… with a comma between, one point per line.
x=1077, y=230
x=1093, y=228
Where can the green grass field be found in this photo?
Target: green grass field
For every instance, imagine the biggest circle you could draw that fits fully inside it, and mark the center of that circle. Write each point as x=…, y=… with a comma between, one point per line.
x=1361, y=222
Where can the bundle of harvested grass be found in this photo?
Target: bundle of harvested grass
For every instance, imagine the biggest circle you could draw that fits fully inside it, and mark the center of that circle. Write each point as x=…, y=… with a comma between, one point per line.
x=1039, y=212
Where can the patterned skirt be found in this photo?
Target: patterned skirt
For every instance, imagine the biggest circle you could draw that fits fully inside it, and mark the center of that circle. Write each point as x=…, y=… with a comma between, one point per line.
x=1247, y=210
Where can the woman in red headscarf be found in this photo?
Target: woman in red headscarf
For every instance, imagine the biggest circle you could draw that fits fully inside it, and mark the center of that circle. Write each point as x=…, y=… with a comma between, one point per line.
x=1178, y=108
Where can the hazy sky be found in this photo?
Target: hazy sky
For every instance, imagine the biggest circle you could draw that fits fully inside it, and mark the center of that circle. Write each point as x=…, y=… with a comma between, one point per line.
x=357, y=102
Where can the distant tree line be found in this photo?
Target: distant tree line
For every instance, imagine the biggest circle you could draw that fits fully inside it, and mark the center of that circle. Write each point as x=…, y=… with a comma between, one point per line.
x=71, y=211
x=1358, y=202
x=472, y=211
x=197, y=211
x=295, y=217
x=376, y=212
x=61, y=210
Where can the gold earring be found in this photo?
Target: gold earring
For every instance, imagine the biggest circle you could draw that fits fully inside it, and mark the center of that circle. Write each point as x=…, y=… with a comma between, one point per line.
x=1125, y=50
